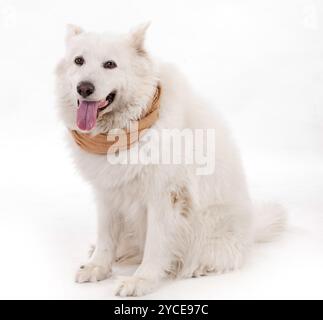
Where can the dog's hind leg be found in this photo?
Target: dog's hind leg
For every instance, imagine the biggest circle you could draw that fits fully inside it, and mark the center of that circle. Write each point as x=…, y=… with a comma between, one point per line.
x=222, y=242
x=128, y=251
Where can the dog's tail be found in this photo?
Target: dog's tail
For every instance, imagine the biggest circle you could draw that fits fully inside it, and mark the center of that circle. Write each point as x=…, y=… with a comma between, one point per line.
x=270, y=221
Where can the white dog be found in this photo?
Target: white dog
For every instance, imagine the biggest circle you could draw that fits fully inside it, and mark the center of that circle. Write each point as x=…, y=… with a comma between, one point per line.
x=175, y=222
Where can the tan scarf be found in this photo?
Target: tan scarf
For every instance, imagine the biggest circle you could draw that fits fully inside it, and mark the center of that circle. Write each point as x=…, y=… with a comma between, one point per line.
x=119, y=139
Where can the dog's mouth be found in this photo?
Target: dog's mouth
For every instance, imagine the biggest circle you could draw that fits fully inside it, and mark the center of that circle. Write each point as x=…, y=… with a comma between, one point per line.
x=89, y=111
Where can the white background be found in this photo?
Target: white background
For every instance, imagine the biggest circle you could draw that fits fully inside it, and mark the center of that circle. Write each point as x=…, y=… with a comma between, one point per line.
x=259, y=61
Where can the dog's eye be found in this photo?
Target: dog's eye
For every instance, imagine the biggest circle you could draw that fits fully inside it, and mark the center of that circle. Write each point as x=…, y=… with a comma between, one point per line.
x=109, y=64
x=79, y=61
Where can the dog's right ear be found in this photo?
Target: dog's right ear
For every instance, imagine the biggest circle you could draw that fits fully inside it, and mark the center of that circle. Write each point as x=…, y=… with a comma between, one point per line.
x=72, y=31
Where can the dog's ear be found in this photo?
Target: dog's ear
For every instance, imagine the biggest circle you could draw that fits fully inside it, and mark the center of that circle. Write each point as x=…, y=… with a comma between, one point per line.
x=72, y=31
x=137, y=37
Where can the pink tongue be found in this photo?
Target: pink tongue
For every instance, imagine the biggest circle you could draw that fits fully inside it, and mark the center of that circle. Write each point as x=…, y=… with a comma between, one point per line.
x=87, y=114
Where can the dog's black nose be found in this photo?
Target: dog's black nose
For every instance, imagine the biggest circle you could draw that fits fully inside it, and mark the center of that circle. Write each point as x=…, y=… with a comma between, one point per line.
x=85, y=88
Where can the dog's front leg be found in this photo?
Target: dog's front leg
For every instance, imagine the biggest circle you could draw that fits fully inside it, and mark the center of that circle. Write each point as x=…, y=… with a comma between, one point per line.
x=99, y=266
x=161, y=226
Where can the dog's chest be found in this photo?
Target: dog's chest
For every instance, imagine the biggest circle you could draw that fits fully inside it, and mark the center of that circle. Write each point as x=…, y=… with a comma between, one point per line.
x=101, y=173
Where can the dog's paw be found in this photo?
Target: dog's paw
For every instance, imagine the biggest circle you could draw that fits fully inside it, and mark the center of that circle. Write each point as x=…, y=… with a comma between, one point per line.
x=134, y=287
x=92, y=273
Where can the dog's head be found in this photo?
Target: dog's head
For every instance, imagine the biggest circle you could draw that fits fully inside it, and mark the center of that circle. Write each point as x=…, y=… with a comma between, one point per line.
x=104, y=80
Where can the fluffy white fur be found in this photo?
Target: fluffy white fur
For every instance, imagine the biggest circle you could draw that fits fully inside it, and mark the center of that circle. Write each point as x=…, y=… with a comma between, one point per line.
x=175, y=223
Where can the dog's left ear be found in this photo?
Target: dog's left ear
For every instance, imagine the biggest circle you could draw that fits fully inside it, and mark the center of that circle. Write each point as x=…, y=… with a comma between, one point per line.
x=137, y=37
